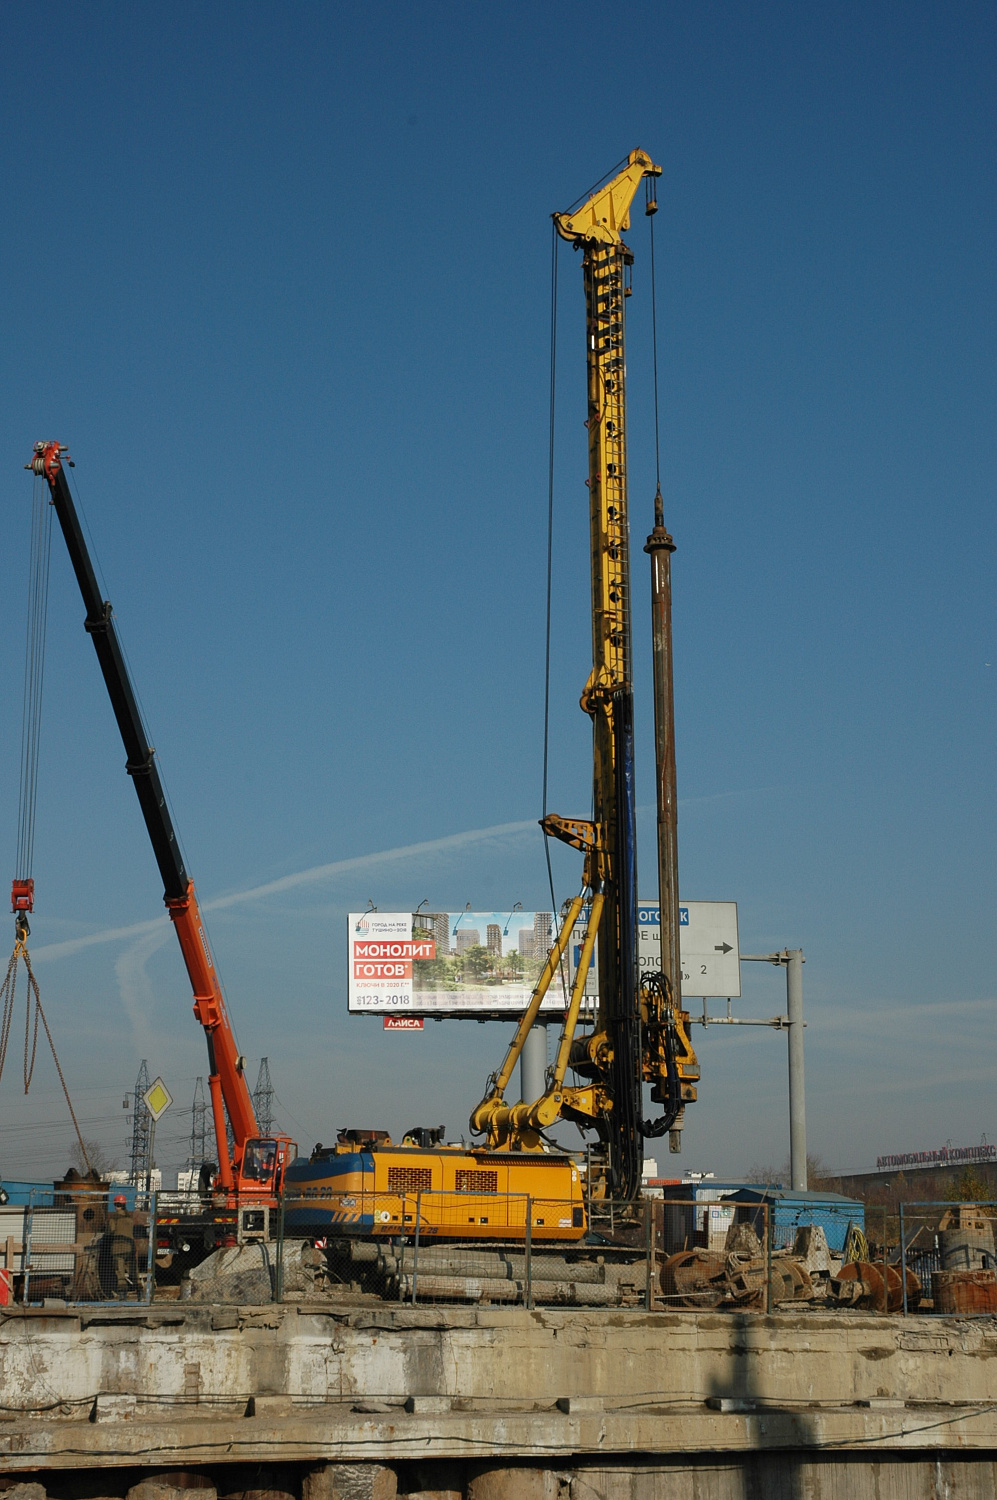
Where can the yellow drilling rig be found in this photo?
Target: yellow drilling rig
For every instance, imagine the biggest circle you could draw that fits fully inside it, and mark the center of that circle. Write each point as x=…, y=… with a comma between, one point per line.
x=640, y=1032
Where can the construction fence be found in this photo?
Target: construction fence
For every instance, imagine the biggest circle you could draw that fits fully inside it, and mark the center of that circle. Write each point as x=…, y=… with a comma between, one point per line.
x=659, y=1255
x=78, y=1245
x=462, y=1249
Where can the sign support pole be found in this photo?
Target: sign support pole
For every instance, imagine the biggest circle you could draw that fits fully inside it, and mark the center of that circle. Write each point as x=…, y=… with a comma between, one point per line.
x=792, y=960
x=797, y=1098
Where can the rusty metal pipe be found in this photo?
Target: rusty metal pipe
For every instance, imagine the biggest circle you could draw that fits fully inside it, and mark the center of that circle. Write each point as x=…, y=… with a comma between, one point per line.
x=660, y=547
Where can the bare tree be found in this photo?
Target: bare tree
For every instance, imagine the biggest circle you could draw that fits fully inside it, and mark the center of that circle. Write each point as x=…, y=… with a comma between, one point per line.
x=99, y=1160
x=820, y=1178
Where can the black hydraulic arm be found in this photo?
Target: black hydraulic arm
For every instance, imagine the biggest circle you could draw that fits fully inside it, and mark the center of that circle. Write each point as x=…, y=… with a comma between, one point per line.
x=99, y=624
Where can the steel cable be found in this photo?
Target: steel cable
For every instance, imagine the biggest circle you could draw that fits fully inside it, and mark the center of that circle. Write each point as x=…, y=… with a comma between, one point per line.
x=550, y=564
x=34, y=674
x=8, y=993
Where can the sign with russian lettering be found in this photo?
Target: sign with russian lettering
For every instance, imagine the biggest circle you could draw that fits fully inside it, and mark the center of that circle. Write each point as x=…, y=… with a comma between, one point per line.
x=403, y=1023
x=486, y=963
x=708, y=946
x=946, y=1156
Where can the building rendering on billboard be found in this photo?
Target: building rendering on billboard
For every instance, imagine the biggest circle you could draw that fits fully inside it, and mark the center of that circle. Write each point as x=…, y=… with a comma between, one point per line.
x=449, y=963
x=477, y=963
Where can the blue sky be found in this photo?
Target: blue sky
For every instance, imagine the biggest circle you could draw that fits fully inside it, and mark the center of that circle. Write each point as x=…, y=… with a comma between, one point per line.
x=279, y=276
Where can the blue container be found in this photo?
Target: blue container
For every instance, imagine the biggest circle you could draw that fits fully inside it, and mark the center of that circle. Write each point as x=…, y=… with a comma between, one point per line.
x=832, y=1211
x=20, y=1193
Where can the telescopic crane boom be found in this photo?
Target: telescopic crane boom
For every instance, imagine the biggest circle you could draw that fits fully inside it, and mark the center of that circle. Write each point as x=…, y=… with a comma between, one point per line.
x=253, y=1167
x=640, y=1034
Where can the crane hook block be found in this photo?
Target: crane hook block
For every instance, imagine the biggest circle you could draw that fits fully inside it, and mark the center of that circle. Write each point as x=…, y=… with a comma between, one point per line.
x=48, y=460
x=22, y=896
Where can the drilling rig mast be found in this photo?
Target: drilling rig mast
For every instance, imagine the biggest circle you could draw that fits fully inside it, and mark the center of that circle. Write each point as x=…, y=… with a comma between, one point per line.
x=640, y=1034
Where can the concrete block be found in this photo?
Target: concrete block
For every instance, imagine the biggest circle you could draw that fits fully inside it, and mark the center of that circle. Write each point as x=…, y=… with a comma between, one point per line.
x=575, y=1405
x=268, y=1406
x=882, y=1403
x=429, y=1406
x=165, y=1488
x=442, y=1480
x=730, y=1403
x=514, y=1484
x=30, y=1491
x=257, y=1482
x=350, y=1482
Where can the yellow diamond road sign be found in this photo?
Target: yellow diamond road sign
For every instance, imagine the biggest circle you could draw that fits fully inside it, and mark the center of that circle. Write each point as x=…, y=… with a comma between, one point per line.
x=157, y=1098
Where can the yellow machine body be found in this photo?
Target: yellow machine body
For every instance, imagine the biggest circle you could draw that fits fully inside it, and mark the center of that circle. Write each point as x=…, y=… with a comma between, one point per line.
x=451, y=1192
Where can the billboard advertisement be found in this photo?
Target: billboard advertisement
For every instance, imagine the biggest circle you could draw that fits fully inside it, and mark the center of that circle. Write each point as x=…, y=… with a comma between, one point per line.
x=437, y=963
x=486, y=963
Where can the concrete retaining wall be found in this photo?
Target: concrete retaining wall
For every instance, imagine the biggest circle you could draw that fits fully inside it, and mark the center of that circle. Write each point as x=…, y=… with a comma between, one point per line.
x=597, y=1405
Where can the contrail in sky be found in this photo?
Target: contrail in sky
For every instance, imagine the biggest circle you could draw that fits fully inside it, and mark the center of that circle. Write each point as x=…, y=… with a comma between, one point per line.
x=318, y=873
x=143, y=939
x=312, y=876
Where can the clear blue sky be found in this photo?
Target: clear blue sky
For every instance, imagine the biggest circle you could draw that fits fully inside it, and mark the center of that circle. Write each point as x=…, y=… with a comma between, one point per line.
x=279, y=276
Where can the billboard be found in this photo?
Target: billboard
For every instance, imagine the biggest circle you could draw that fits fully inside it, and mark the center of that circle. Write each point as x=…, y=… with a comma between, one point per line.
x=437, y=963
x=486, y=963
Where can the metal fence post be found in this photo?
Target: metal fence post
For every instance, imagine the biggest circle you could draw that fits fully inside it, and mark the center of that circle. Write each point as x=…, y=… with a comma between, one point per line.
x=648, y=1250
x=29, y=1218
x=529, y=1251
x=903, y=1259
x=415, y=1259
x=150, y=1266
x=768, y=1256
x=278, y=1275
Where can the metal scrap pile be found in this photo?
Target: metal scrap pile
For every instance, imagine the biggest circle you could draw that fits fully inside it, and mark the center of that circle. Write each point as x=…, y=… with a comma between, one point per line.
x=742, y=1275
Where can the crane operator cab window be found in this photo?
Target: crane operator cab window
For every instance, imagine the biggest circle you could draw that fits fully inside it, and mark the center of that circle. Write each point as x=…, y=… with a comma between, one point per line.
x=259, y=1160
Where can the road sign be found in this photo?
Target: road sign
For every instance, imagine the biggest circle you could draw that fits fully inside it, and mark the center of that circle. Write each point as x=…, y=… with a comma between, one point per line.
x=708, y=946
x=157, y=1098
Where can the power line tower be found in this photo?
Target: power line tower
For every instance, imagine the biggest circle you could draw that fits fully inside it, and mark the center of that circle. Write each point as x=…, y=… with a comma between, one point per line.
x=198, y=1130
x=263, y=1098
x=141, y=1161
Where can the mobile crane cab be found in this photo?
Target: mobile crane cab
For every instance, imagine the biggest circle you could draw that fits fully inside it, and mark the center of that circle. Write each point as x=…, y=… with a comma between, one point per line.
x=261, y=1171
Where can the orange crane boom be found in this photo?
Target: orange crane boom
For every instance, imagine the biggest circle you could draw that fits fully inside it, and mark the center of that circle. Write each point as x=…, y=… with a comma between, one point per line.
x=249, y=1172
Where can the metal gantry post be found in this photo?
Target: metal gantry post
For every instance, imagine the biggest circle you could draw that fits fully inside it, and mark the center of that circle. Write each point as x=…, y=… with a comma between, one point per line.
x=797, y=1096
x=792, y=960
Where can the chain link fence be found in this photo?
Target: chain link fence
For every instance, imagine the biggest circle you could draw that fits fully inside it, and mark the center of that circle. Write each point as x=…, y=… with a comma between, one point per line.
x=946, y=1257
x=78, y=1245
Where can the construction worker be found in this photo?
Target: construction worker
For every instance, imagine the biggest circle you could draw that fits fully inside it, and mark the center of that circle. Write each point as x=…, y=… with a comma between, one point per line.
x=117, y=1251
